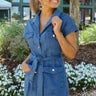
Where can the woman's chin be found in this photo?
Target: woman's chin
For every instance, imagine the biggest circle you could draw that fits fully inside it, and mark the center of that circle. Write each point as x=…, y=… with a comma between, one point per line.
x=54, y=6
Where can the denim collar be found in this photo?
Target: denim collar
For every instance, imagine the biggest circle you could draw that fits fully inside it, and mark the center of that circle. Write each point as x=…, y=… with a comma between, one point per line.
x=36, y=21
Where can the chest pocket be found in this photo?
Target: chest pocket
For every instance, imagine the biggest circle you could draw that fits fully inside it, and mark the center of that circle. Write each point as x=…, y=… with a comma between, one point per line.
x=51, y=40
x=30, y=38
x=29, y=35
x=52, y=35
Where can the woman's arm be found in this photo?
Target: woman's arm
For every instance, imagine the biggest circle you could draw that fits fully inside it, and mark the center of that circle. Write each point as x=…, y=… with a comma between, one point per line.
x=67, y=44
x=27, y=59
x=24, y=65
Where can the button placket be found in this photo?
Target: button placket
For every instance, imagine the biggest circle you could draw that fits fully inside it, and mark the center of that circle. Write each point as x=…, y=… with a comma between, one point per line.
x=39, y=43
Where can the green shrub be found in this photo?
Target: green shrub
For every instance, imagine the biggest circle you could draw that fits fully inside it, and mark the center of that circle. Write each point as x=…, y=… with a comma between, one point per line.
x=88, y=34
x=12, y=43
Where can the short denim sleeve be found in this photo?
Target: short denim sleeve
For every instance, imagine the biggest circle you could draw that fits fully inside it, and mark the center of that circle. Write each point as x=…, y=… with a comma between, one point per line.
x=69, y=26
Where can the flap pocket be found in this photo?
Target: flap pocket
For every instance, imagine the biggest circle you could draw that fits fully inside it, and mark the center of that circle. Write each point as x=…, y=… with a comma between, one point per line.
x=51, y=34
x=29, y=35
x=53, y=70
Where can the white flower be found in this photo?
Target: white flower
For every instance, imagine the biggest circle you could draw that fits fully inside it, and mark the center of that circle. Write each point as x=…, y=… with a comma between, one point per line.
x=2, y=92
x=71, y=81
x=85, y=82
x=83, y=63
x=74, y=88
x=89, y=79
x=94, y=79
x=83, y=88
x=6, y=94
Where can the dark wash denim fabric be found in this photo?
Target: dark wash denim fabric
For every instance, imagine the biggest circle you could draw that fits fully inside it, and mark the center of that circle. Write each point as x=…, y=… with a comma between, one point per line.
x=46, y=57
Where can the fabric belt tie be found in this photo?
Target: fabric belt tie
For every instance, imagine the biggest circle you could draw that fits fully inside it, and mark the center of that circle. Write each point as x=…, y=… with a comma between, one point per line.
x=34, y=66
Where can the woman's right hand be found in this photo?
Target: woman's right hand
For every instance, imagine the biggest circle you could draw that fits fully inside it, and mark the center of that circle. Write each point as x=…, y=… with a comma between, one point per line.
x=25, y=67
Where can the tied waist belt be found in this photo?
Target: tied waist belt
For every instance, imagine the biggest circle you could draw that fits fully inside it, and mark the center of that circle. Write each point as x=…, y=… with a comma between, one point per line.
x=34, y=66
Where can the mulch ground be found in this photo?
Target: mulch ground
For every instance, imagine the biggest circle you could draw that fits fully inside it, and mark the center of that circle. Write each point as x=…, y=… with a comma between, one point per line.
x=86, y=53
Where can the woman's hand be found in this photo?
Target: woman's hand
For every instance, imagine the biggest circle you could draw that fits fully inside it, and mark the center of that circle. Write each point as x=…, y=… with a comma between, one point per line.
x=57, y=22
x=25, y=67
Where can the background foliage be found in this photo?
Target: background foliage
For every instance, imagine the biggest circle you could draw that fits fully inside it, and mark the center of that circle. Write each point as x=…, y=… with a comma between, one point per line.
x=88, y=34
x=12, y=43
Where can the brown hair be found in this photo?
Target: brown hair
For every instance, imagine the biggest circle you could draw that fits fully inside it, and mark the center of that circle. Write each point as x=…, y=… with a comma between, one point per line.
x=34, y=5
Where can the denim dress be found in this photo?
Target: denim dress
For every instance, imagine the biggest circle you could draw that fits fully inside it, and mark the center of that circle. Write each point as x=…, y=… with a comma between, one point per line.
x=46, y=57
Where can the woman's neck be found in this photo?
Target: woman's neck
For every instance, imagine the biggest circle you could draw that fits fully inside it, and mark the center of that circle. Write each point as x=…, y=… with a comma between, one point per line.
x=46, y=12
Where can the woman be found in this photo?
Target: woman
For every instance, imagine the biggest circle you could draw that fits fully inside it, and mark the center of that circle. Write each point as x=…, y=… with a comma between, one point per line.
x=49, y=33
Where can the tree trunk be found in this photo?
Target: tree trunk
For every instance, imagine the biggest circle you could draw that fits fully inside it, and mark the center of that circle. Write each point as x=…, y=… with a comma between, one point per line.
x=74, y=13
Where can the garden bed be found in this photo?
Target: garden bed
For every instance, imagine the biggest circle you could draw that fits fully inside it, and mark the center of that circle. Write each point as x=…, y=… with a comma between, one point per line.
x=86, y=53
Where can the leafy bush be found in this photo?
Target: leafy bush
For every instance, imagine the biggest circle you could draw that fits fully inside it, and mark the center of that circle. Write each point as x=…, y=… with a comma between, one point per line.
x=88, y=34
x=12, y=43
x=82, y=77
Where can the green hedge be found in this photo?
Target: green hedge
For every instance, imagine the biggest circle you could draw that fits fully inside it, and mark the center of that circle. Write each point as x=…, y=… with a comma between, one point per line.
x=88, y=34
x=12, y=43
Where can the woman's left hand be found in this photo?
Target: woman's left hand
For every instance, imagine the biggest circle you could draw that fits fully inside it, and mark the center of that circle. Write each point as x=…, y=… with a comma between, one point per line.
x=57, y=22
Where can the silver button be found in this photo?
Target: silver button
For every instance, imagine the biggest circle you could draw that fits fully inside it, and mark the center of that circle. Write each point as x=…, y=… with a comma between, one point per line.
x=35, y=72
x=53, y=35
x=53, y=69
x=38, y=46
